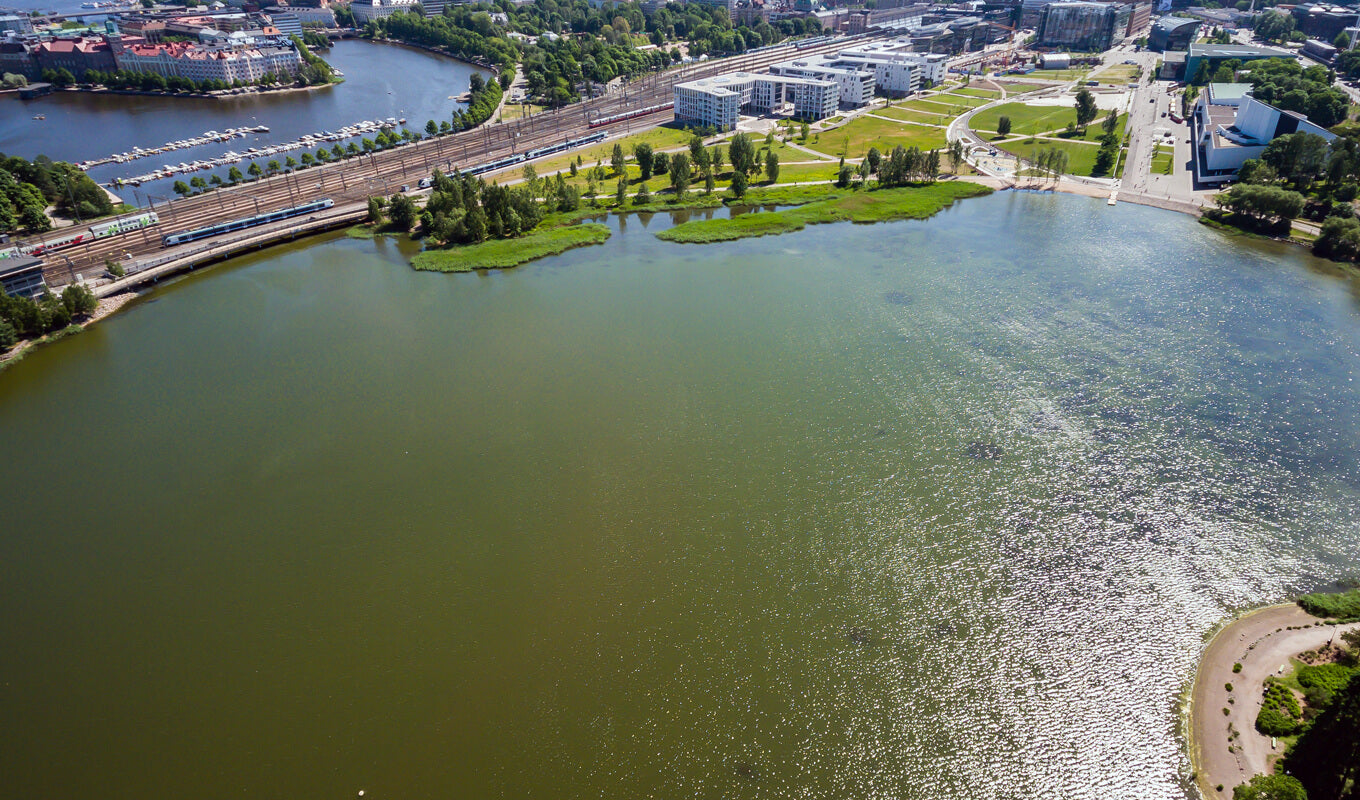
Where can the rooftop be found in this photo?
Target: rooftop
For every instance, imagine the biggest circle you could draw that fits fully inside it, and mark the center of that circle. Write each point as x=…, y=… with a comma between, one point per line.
x=1201, y=50
x=1172, y=23
x=1228, y=91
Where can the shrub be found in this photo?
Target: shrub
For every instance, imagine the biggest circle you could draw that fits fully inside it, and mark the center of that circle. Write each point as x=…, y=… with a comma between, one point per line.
x=1280, y=713
x=1227, y=686
x=1237, y=667
x=1322, y=681
x=1341, y=605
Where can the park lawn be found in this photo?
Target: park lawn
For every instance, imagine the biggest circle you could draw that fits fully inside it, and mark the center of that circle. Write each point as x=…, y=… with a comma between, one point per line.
x=934, y=107
x=1117, y=74
x=973, y=91
x=1069, y=74
x=882, y=205
x=1163, y=160
x=1026, y=120
x=784, y=151
x=802, y=173
x=1094, y=131
x=1081, y=157
x=856, y=137
x=1020, y=87
x=659, y=138
x=959, y=100
x=910, y=115
x=511, y=110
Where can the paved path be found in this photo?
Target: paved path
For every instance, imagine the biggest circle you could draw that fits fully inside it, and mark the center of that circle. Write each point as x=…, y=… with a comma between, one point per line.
x=1262, y=642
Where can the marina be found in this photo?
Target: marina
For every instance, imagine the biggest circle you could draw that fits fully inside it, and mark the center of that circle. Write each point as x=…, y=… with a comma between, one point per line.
x=231, y=157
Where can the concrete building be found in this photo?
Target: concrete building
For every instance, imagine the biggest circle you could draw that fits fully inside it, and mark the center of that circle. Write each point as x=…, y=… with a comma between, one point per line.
x=1083, y=25
x=77, y=54
x=1216, y=54
x=717, y=102
x=854, y=82
x=931, y=67
x=288, y=24
x=1173, y=33
x=1319, y=51
x=1230, y=126
x=306, y=14
x=16, y=23
x=21, y=276
x=227, y=63
x=365, y=10
x=1322, y=22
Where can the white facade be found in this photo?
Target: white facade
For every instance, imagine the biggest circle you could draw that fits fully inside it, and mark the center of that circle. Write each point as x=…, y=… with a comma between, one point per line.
x=377, y=9
x=932, y=67
x=1230, y=126
x=211, y=63
x=305, y=15
x=717, y=102
x=854, y=82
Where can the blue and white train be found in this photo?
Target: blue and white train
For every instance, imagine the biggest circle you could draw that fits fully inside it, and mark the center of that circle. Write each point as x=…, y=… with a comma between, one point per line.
x=538, y=152
x=246, y=222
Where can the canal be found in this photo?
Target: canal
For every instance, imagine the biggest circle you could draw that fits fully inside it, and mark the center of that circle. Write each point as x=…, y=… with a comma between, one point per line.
x=381, y=81
x=947, y=518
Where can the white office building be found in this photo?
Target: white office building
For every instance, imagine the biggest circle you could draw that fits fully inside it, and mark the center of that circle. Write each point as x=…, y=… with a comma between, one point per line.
x=1230, y=126
x=718, y=101
x=931, y=67
x=855, y=83
x=365, y=10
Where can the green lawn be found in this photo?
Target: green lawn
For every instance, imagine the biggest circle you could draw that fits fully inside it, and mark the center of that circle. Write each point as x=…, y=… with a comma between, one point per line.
x=1117, y=74
x=502, y=253
x=1163, y=160
x=941, y=106
x=1069, y=74
x=909, y=115
x=952, y=99
x=1025, y=119
x=1081, y=158
x=972, y=91
x=1094, y=131
x=855, y=138
x=658, y=138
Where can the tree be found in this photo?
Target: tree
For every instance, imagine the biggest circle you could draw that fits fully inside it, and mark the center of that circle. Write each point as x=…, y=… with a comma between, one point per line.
x=234, y=175
x=680, y=173
x=661, y=163
x=1202, y=74
x=432, y=128
x=1326, y=758
x=873, y=157
x=643, y=197
x=955, y=154
x=290, y=163
x=1271, y=787
x=1262, y=203
x=642, y=154
x=79, y=300
x=1339, y=239
x=1111, y=122
x=254, y=170
x=1003, y=126
x=772, y=166
x=621, y=192
x=1299, y=157
x=8, y=336
x=739, y=183
x=198, y=183
x=1342, y=42
x=844, y=176
x=181, y=188
x=709, y=183
x=742, y=153
x=375, y=210
x=402, y=211
x=1086, y=107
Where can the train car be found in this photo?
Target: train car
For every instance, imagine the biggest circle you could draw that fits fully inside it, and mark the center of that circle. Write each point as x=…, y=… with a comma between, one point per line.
x=491, y=166
x=69, y=240
x=641, y=112
x=247, y=222
x=10, y=252
x=124, y=225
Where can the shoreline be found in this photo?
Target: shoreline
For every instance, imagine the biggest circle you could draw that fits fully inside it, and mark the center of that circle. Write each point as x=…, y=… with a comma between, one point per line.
x=108, y=306
x=1261, y=640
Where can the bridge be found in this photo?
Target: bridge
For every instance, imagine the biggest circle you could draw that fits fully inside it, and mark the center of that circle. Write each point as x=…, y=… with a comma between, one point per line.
x=356, y=179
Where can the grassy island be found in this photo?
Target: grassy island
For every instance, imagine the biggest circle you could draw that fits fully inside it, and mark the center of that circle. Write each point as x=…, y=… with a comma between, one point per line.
x=881, y=205
x=502, y=253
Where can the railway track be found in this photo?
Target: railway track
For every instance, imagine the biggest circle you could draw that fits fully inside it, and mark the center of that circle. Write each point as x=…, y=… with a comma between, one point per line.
x=383, y=173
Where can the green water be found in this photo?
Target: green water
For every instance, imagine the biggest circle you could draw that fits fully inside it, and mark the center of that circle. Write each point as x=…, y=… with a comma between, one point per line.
x=932, y=509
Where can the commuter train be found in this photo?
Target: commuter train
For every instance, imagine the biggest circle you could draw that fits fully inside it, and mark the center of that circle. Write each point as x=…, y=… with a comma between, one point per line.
x=641, y=112
x=246, y=222
x=102, y=230
x=552, y=149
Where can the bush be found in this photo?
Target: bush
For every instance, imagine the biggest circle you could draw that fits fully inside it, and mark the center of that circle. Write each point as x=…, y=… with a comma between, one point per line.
x=1280, y=713
x=1227, y=686
x=1323, y=681
x=1237, y=667
x=1342, y=605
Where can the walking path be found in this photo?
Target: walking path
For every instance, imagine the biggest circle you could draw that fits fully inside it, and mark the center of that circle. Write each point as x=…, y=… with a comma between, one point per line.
x=1262, y=642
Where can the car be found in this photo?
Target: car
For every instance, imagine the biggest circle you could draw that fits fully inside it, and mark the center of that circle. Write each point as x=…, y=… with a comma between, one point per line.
x=405, y=188
x=1163, y=114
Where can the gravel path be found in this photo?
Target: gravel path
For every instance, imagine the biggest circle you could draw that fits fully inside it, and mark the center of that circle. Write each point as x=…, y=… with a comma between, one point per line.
x=1262, y=642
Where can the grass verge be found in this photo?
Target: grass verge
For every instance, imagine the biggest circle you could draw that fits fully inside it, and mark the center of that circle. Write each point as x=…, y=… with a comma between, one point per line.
x=502, y=253
x=881, y=205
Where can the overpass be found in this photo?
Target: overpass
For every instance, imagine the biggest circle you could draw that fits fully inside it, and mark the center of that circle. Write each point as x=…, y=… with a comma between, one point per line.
x=383, y=173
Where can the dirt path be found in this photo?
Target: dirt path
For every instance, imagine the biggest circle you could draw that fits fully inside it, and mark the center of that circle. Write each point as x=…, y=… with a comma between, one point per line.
x=1262, y=642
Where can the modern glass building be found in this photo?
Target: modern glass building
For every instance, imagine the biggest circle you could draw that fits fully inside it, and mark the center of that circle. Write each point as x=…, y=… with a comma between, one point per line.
x=1083, y=25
